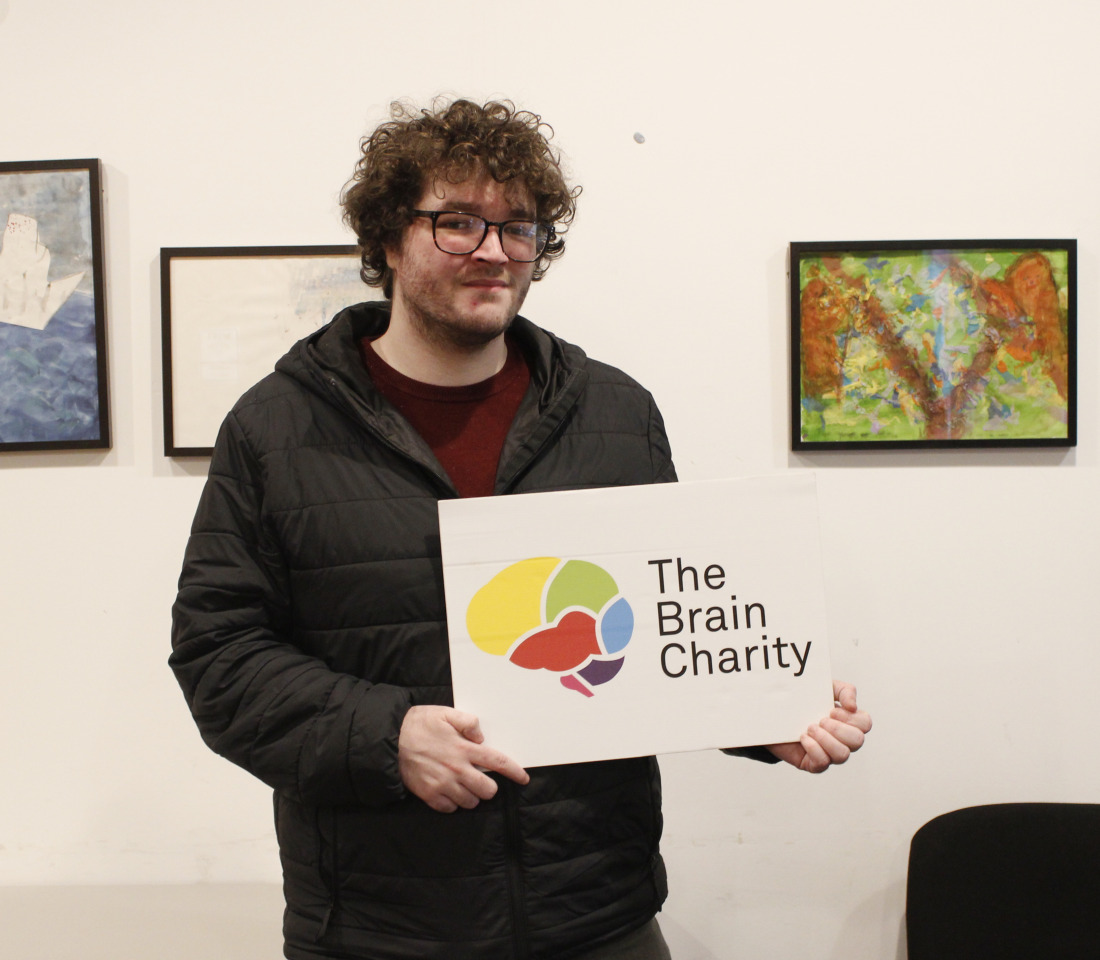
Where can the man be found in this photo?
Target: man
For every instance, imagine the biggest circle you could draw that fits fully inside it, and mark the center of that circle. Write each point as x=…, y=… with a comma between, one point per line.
x=309, y=633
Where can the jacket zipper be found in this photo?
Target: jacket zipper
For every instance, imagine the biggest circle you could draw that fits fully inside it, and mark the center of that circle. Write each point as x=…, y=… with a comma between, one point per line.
x=351, y=407
x=513, y=859
x=511, y=482
x=330, y=860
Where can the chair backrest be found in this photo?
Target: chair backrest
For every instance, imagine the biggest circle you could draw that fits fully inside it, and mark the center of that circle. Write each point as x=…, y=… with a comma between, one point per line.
x=1006, y=881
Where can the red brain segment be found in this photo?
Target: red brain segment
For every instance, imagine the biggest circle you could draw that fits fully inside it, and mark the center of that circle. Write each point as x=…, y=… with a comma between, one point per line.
x=560, y=648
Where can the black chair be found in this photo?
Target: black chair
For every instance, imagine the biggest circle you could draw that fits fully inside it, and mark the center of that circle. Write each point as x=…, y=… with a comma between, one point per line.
x=1006, y=881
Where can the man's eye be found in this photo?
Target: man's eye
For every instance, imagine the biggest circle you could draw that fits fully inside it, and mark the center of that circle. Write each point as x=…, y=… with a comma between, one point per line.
x=458, y=224
x=521, y=229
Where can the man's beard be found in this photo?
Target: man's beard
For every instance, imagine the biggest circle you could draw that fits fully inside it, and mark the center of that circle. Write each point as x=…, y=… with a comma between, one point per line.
x=447, y=333
x=439, y=320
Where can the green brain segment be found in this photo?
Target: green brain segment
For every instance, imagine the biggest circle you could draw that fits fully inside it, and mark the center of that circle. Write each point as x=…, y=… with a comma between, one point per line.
x=579, y=584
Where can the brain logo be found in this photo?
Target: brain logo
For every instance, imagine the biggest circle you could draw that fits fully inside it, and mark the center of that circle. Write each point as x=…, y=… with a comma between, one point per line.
x=567, y=617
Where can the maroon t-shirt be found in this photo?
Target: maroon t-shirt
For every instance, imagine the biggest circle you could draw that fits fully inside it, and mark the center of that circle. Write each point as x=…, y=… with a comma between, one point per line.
x=464, y=426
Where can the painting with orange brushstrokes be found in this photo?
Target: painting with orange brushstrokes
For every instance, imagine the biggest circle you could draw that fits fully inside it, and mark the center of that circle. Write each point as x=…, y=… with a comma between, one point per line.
x=933, y=343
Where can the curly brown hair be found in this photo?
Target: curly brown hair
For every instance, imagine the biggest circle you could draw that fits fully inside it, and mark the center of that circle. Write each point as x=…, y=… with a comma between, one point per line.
x=450, y=141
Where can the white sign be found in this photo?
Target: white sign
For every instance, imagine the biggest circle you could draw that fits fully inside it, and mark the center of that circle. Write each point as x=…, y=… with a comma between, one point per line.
x=619, y=622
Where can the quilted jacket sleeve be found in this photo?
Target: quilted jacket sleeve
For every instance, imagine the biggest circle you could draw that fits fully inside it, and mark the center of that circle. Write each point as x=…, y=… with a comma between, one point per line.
x=318, y=735
x=659, y=450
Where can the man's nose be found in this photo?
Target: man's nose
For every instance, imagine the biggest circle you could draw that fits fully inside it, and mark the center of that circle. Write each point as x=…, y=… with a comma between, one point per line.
x=491, y=248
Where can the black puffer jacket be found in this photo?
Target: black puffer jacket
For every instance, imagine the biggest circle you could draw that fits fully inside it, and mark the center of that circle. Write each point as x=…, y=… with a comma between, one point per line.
x=310, y=617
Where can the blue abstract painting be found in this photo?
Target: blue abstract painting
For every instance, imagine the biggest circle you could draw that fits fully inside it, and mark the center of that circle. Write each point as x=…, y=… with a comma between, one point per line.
x=52, y=339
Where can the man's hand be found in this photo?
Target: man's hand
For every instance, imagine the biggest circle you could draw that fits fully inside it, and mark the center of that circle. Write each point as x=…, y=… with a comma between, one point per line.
x=833, y=740
x=439, y=753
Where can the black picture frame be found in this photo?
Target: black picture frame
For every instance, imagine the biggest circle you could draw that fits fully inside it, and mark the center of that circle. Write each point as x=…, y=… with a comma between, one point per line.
x=54, y=387
x=901, y=344
x=228, y=314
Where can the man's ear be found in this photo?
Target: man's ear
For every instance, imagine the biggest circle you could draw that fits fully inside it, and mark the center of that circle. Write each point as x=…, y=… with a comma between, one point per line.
x=393, y=257
x=393, y=268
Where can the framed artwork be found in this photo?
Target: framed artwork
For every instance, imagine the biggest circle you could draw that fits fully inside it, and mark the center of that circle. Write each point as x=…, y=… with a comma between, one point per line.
x=228, y=314
x=53, y=328
x=933, y=343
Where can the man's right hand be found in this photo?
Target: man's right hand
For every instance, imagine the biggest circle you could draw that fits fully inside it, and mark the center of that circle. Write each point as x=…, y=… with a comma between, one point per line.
x=439, y=753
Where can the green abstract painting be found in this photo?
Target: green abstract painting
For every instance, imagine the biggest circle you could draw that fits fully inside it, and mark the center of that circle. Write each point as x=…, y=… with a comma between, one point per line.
x=944, y=344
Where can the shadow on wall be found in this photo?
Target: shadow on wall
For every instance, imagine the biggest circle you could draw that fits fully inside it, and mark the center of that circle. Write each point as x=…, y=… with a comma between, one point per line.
x=681, y=944
x=871, y=920
x=868, y=932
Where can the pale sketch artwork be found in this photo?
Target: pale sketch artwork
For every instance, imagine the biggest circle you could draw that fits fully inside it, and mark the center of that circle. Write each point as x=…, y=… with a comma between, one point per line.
x=233, y=317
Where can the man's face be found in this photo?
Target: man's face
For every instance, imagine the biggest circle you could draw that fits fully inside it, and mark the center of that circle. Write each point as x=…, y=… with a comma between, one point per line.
x=468, y=300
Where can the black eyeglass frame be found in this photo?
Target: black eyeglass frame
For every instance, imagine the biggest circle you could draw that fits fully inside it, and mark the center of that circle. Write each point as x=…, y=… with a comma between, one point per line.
x=434, y=215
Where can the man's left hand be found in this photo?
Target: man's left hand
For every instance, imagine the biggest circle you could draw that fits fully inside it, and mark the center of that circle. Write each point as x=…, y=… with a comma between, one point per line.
x=833, y=739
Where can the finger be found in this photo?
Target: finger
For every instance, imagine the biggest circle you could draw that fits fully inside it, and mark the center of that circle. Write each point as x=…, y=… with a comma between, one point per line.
x=453, y=797
x=463, y=790
x=835, y=749
x=477, y=785
x=468, y=798
x=816, y=759
x=441, y=804
x=860, y=719
x=791, y=753
x=845, y=695
x=498, y=762
x=848, y=734
x=466, y=724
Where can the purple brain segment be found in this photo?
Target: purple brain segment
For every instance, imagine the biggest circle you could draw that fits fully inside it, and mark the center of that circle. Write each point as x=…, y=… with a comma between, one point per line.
x=600, y=671
x=592, y=675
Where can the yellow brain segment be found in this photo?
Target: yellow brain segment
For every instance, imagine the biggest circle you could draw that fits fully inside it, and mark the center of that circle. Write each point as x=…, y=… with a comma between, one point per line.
x=509, y=605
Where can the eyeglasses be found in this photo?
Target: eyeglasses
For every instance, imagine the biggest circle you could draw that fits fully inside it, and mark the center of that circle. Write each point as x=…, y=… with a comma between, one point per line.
x=460, y=233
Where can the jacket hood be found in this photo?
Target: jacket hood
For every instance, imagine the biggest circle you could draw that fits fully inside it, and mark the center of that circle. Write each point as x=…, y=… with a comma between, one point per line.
x=328, y=363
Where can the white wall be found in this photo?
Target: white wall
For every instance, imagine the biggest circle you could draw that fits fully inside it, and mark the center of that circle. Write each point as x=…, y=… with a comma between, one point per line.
x=960, y=584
